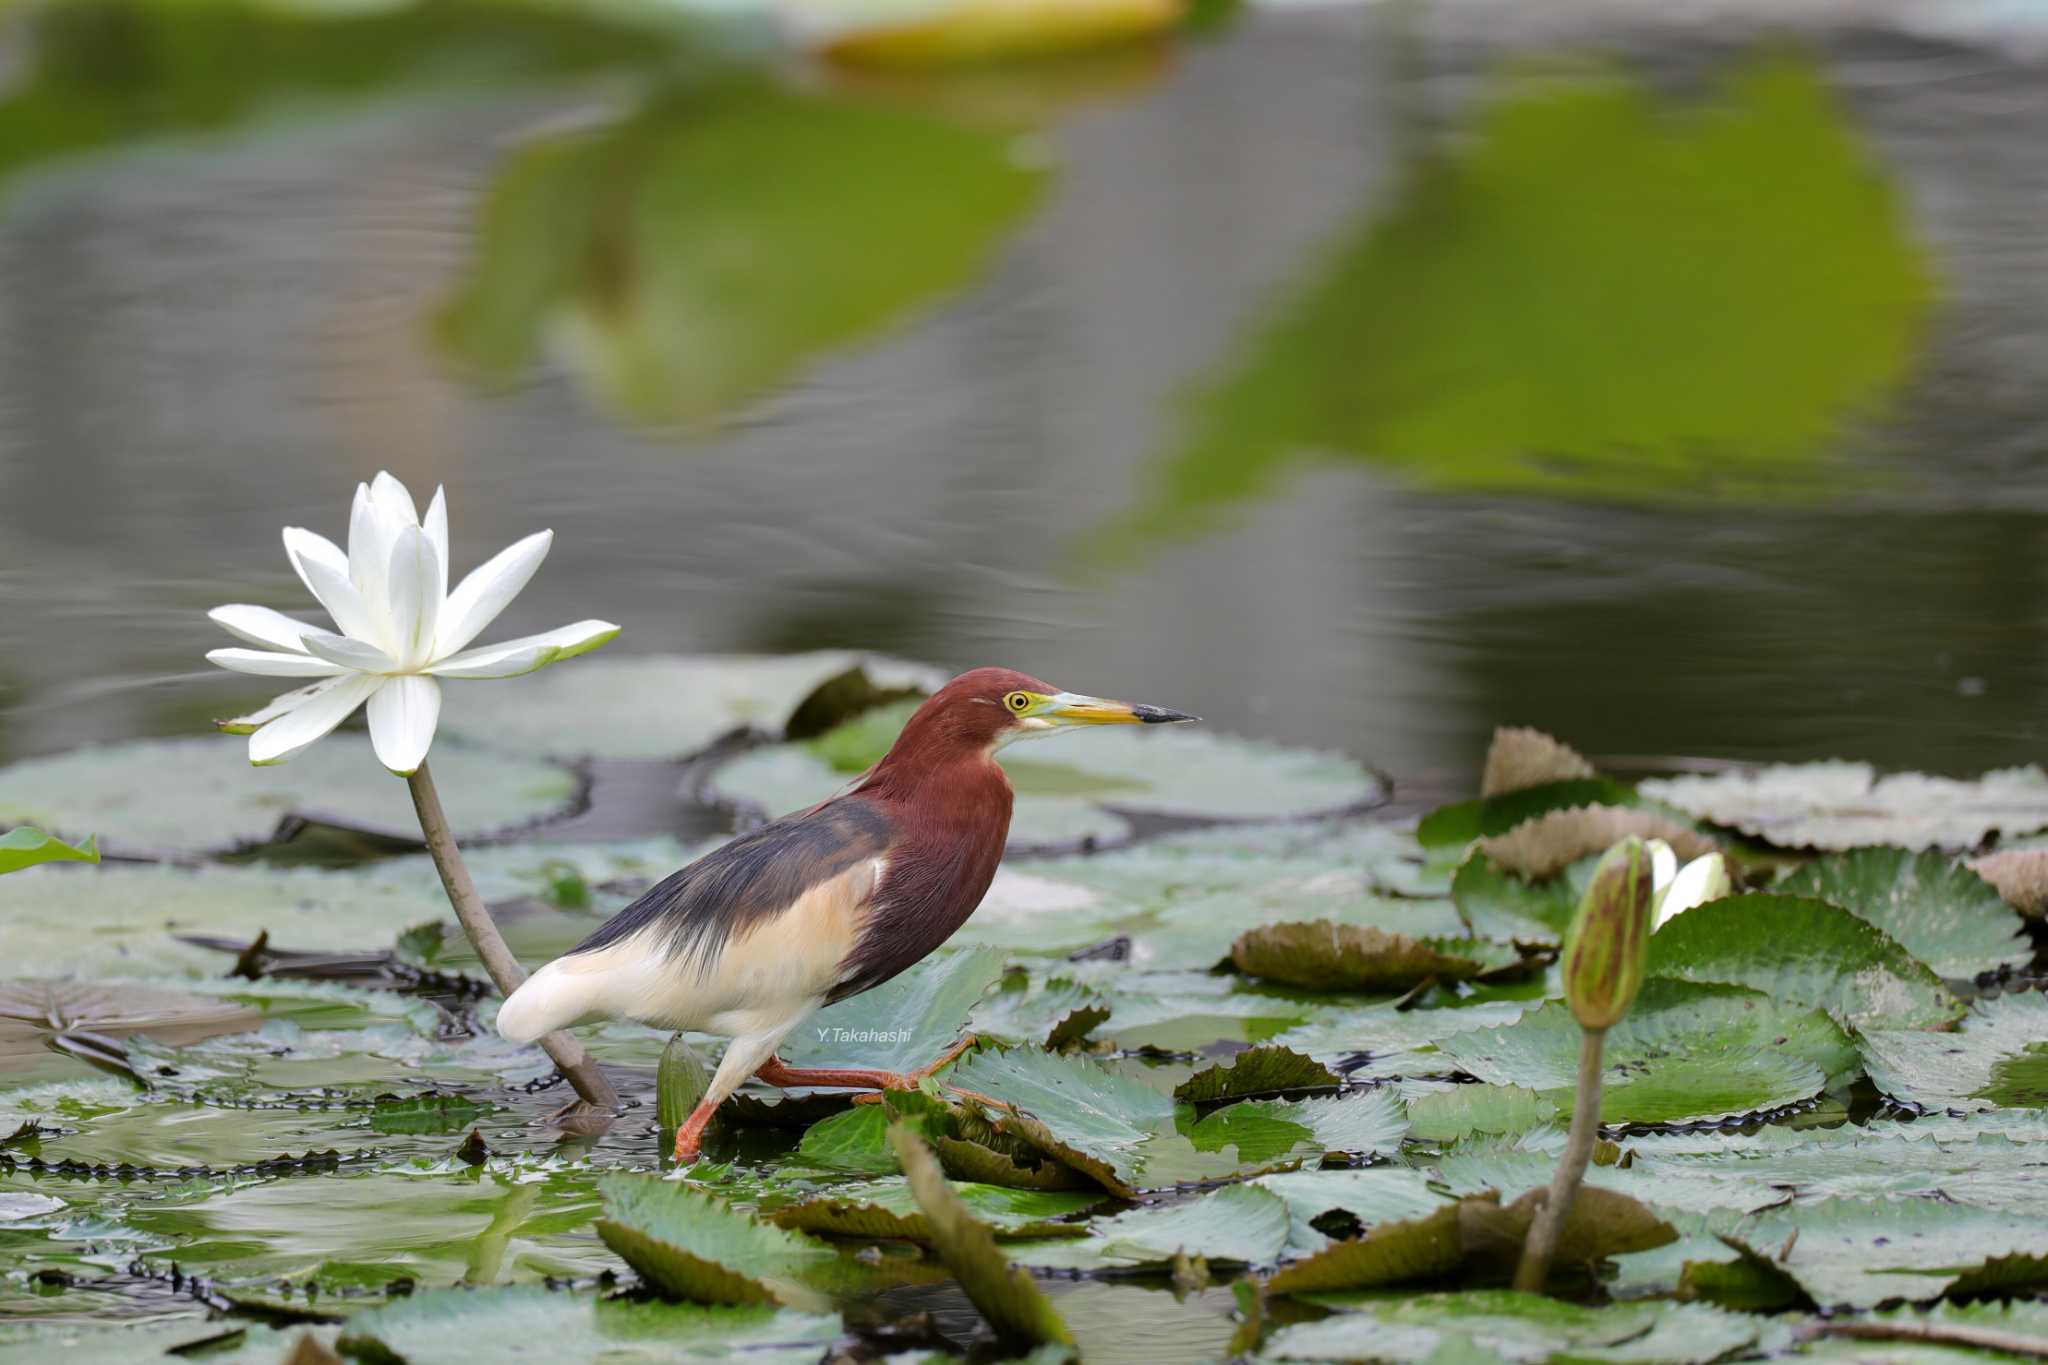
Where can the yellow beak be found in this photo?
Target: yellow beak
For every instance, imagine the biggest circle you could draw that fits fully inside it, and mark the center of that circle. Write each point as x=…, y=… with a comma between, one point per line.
x=1071, y=708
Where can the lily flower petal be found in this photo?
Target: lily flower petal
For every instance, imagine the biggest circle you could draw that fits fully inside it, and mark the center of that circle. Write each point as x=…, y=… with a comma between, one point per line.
x=312, y=719
x=435, y=524
x=324, y=569
x=479, y=598
x=394, y=500
x=369, y=552
x=264, y=663
x=346, y=652
x=281, y=705
x=260, y=626
x=403, y=714
x=414, y=582
x=524, y=655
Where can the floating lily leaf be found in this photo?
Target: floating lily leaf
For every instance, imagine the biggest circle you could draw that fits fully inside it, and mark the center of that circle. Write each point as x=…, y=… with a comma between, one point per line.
x=1340, y=957
x=1862, y=1252
x=1498, y=904
x=1086, y=1116
x=194, y=795
x=1075, y=789
x=689, y=1245
x=856, y=1140
x=1505, y=1325
x=436, y=1113
x=1947, y=1332
x=1839, y=805
x=1377, y=1194
x=905, y=1023
x=1418, y=1249
x=888, y=1209
x=1519, y=758
x=1590, y=384
x=1256, y=1071
x=27, y=846
x=1054, y=1013
x=1804, y=952
x=455, y=1324
x=1459, y=1112
x=2021, y=876
x=1685, y=1053
x=52, y=1029
x=1237, y=1225
x=122, y=920
x=359, y=1232
x=1548, y=844
x=1489, y=817
x=620, y=239
x=1938, y=909
x=1999, y=1056
x=1395, y=1041
x=660, y=705
x=1013, y=1305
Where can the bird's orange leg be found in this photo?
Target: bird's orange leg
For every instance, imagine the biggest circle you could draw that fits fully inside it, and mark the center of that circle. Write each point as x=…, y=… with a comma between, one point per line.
x=690, y=1137
x=857, y=1077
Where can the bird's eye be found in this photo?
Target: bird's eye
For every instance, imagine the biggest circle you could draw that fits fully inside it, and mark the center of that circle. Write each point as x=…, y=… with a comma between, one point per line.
x=1020, y=702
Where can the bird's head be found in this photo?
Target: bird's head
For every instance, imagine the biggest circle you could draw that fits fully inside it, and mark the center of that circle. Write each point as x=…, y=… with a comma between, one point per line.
x=986, y=708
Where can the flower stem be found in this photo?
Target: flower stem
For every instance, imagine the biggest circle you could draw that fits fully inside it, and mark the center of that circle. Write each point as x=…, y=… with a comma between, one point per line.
x=1534, y=1271
x=475, y=917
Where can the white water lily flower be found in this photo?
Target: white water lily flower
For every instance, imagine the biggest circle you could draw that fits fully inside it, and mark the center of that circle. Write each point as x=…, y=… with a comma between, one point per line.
x=400, y=629
x=1678, y=889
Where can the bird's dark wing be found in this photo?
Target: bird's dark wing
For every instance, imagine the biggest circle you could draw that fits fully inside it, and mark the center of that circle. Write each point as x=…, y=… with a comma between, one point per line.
x=733, y=889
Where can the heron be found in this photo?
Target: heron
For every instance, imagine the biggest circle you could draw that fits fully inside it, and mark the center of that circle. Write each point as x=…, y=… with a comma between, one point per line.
x=751, y=939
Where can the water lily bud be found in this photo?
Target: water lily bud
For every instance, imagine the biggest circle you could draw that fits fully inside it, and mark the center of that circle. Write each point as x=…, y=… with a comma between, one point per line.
x=1607, y=951
x=1705, y=878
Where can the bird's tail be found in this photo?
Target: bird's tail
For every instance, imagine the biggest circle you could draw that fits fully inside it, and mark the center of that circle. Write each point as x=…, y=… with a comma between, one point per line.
x=566, y=990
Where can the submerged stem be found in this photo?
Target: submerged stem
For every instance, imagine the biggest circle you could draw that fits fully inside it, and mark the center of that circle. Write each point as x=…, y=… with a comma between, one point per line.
x=1544, y=1232
x=475, y=917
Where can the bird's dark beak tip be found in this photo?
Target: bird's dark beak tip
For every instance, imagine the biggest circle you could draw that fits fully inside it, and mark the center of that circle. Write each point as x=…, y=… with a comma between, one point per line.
x=1160, y=715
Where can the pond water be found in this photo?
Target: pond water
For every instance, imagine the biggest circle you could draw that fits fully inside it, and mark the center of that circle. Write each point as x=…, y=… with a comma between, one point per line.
x=1355, y=376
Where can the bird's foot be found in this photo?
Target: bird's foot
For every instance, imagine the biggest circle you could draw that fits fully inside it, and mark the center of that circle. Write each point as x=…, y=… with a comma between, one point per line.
x=690, y=1137
x=687, y=1146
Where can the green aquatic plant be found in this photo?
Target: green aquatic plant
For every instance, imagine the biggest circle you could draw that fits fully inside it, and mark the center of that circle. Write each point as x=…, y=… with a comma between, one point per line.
x=1606, y=958
x=1590, y=294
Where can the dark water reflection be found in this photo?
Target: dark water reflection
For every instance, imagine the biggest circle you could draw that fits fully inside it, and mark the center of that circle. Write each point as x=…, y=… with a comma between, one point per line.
x=1359, y=377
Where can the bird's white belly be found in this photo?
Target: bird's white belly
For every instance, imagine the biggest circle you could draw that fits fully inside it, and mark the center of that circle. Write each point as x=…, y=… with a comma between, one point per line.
x=764, y=978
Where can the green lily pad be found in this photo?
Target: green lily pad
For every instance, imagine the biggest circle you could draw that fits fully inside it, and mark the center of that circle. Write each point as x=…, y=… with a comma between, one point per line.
x=1322, y=956
x=1078, y=786
x=1393, y=1040
x=1585, y=366
x=1463, y=1110
x=1488, y=816
x=507, y=1323
x=1838, y=805
x=1053, y=1012
x=689, y=1245
x=1128, y=1136
x=1508, y=1326
x=889, y=1209
x=1234, y=1225
x=1411, y=1250
x=659, y=706
x=902, y=1024
x=1373, y=1195
x=1256, y=1071
x=53, y=1029
x=621, y=238
x=1859, y=1253
x=1006, y=1296
x=1999, y=1056
x=1503, y=905
x=122, y=921
x=1804, y=952
x=1937, y=908
x=359, y=1232
x=197, y=795
x=27, y=846
x=1684, y=1053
